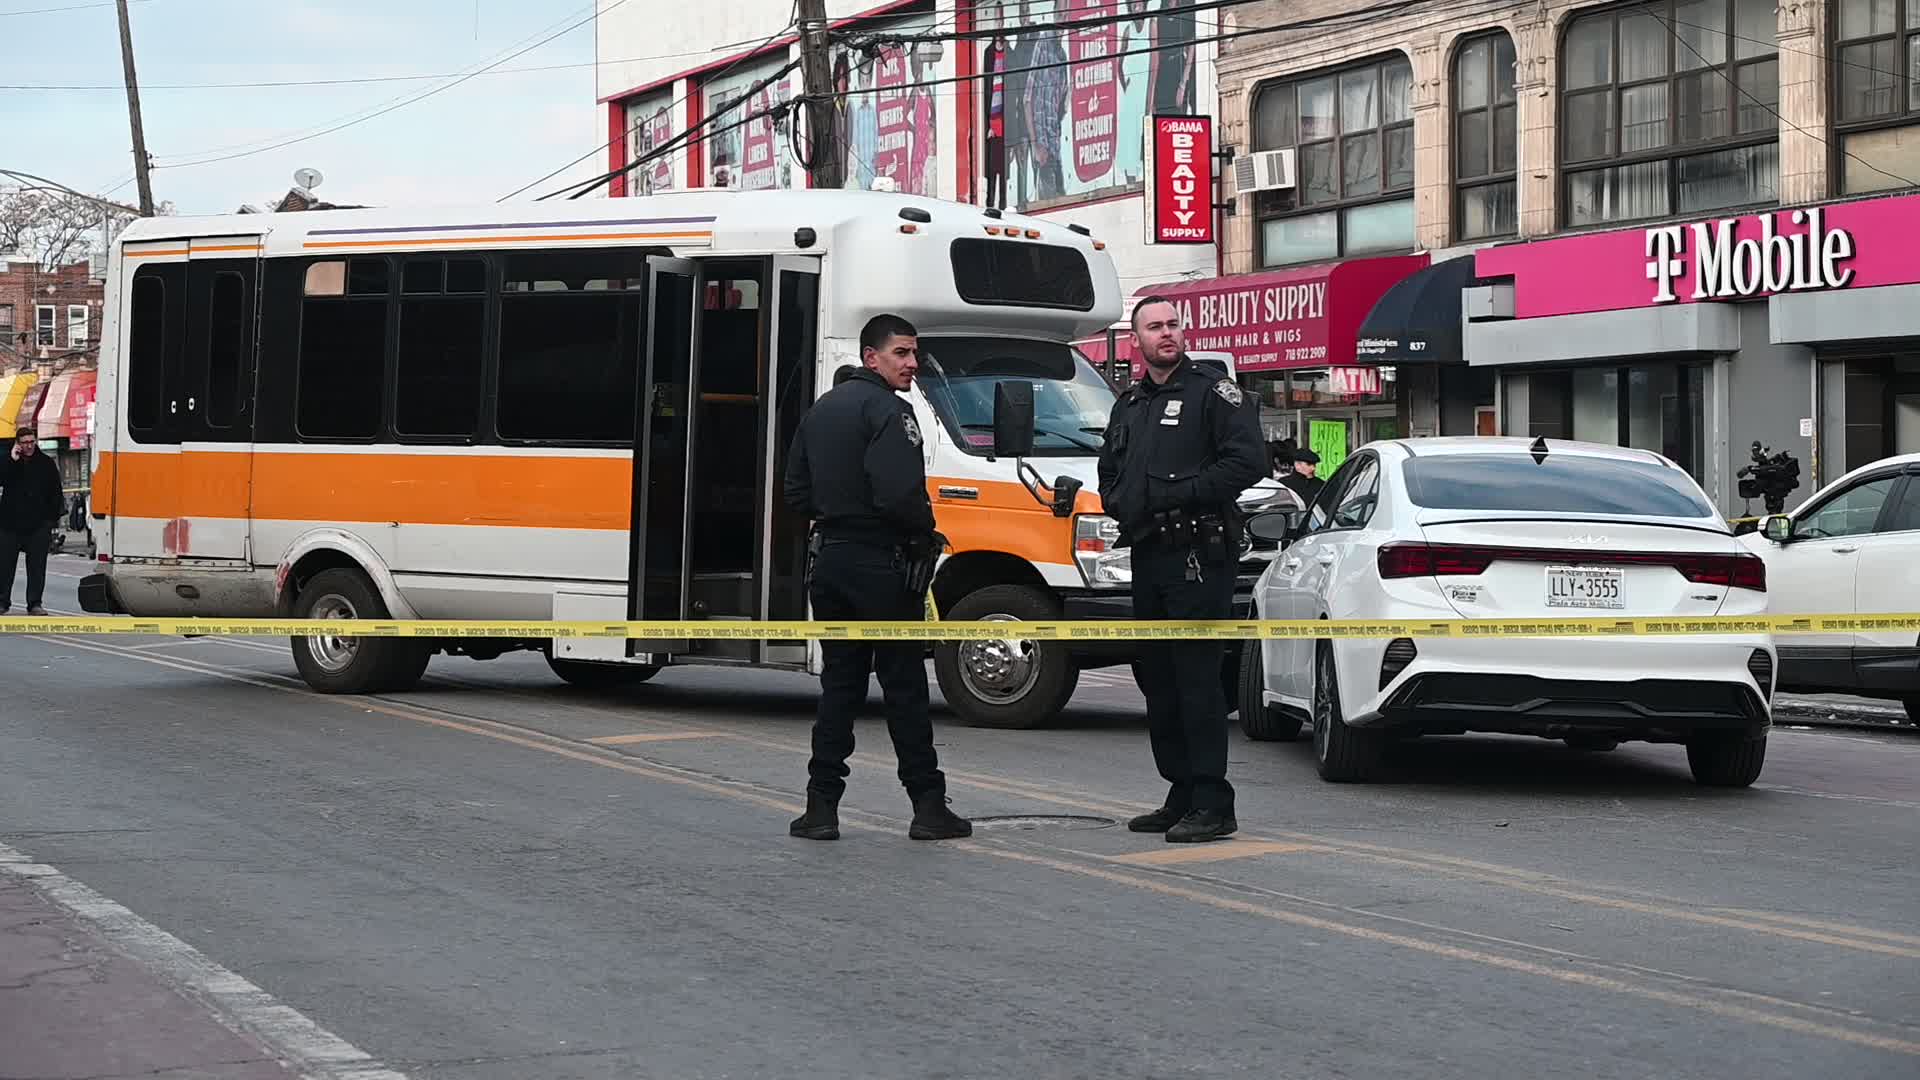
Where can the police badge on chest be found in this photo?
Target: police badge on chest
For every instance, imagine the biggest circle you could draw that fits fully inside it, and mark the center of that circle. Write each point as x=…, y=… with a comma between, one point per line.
x=1172, y=416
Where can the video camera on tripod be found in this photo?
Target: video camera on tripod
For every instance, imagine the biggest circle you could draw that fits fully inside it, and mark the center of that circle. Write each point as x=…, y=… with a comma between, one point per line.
x=1770, y=477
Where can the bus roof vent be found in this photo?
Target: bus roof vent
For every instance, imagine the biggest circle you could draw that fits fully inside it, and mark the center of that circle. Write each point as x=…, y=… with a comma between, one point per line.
x=914, y=213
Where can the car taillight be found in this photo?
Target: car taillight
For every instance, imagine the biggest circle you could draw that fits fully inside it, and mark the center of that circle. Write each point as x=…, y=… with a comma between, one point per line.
x=1731, y=571
x=1414, y=559
x=1402, y=560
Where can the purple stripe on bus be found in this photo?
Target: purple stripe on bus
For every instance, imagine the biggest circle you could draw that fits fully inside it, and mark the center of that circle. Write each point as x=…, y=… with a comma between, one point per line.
x=517, y=225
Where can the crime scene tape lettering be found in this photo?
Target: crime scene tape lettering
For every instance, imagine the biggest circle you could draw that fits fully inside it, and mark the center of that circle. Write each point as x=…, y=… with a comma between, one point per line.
x=1098, y=630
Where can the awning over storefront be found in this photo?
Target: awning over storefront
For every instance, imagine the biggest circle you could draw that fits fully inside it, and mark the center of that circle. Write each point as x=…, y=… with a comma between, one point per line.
x=13, y=396
x=1418, y=320
x=1305, y=316
x=30, y=407
x=52, y=422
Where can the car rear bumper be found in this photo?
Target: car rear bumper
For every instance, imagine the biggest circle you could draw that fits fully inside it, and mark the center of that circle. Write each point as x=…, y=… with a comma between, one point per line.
x=1643, y=688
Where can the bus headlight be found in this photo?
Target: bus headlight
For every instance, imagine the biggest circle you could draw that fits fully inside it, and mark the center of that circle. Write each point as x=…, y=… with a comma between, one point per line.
x=1102, y=565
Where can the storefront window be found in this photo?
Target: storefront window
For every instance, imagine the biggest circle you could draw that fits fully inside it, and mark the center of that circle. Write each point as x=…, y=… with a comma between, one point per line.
x=1876, y=93
x=1485, y=133
x=1670, y=108
x=1658, y=407
x=1352, y=133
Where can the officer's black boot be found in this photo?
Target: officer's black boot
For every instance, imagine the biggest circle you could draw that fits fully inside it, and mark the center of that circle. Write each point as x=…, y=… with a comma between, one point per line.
x=1159, y=821
x=1203, y=825
x=820, y=822
x=933, y=821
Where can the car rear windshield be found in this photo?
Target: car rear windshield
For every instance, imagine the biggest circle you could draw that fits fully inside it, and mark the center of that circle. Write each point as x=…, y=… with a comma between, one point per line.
x=1558, y=484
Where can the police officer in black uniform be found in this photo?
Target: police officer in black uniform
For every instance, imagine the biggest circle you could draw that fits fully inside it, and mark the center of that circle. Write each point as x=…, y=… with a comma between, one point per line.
x=1180, y=447
x=856, y=472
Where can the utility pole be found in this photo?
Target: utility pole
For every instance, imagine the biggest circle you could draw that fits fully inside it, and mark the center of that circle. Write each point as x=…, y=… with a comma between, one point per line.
x=133, y=114
x=816, y=73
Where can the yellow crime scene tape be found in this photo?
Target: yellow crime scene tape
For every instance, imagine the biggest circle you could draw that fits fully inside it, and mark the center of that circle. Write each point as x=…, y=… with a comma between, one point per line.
x=1055, y=630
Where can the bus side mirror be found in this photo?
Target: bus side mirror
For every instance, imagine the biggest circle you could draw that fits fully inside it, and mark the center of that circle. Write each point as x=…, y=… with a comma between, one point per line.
x=1012, y=418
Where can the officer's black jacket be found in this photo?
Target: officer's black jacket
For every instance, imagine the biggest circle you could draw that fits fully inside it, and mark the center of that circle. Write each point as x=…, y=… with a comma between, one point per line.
x=855, y=466
x=1190, y=442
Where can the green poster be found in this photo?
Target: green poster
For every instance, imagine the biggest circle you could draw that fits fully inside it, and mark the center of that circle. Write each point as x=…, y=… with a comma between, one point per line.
x=1328, y=438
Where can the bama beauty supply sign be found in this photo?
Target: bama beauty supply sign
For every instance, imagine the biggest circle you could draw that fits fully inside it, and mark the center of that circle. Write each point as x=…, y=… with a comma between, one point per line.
x=1180, y=180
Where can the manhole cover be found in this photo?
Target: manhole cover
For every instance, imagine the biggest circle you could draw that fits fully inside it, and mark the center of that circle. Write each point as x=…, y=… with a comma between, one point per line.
x=1023, y=822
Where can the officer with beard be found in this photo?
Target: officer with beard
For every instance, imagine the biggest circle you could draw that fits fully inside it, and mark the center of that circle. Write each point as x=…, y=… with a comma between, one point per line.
x=1180, y=447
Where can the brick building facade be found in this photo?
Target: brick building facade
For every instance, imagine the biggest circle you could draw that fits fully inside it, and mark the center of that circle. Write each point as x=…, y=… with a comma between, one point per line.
x=49, y=315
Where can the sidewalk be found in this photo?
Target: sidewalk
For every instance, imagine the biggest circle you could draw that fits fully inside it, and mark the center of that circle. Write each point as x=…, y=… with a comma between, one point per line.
x=71, y=1007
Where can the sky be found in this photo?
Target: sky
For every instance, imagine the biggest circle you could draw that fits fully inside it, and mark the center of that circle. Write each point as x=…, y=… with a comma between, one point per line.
x=474, y=142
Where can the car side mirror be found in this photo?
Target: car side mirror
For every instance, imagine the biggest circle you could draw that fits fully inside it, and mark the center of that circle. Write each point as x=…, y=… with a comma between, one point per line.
x=1012, y=418
x=1778, y=528
x=1277, y=526
x=1066, y=491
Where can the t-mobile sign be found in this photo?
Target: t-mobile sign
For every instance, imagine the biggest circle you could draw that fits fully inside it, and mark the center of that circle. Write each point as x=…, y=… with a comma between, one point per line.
x=1180, y=180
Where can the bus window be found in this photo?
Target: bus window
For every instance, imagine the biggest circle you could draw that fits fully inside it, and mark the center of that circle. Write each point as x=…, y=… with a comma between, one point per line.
x=442, y=343
x=570, y=327
x=227, y=348
x=343, y=352
x=153, y=348
x=1020, y=274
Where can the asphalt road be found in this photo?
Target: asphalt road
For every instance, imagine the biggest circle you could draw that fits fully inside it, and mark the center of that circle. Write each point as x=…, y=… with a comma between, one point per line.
x=498, y=876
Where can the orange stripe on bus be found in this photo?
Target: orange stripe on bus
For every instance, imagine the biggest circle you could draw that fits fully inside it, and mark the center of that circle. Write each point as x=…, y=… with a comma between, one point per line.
x=431, y=240
x=422, y=489
x=228, y=247
x=131, y=254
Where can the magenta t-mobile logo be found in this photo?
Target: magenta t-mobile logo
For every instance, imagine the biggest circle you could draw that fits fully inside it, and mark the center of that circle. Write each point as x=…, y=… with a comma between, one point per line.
x=1665, y=245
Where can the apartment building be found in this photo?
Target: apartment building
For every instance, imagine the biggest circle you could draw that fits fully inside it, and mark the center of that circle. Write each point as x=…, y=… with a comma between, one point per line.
x=1686, y=225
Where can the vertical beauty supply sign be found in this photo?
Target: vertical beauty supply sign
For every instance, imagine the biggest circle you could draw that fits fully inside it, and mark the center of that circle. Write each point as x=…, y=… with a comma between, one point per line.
x=1180, y=180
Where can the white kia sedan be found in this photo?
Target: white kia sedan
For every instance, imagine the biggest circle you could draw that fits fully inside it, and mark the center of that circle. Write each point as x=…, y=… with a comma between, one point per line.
x=1507, y=528
x=1853, y=548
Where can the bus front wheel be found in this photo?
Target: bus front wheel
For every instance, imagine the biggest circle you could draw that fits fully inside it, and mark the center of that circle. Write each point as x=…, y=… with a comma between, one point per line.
x=1007, y=682
x=339, y=664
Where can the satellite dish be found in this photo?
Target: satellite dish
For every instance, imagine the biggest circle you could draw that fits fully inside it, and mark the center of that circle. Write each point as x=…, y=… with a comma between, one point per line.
x=307, y=178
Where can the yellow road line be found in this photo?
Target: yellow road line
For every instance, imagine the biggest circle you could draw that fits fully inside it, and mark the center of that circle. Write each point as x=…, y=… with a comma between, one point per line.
x=663, y=736
x=1455, y=952
x=1219, y=851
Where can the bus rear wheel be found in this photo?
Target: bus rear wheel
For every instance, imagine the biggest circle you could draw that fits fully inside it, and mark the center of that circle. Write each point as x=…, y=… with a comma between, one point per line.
x=1006, y=683
x=337, y=664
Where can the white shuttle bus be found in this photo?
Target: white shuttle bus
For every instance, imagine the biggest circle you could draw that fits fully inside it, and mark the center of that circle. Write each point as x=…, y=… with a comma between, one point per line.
x=582, y=410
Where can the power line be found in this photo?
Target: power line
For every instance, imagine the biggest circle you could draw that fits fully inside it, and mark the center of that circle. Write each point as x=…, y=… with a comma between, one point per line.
x=55, y=185
x=678, y=142
x=69, y=7
x=373, y=79
x=1302, y=24
x=400, y=104
x=689, y=135
x=793, y=20
x=498, y=57
x=1727, y=75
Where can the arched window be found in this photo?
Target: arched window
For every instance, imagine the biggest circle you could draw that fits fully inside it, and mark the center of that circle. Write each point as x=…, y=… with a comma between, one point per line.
x=1669, y=108
x=1351, y=130
x=1485, y=137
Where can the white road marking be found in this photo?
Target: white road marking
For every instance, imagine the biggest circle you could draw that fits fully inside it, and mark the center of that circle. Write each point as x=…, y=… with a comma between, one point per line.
x=315, y=1052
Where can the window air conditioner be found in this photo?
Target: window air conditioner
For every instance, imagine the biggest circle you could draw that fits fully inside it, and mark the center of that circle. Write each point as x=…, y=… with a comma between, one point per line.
x=1267, y=170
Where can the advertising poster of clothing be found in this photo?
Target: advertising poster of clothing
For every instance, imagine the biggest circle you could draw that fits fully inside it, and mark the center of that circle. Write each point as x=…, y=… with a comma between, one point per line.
x=1063, y=111
x=753, y=156
x=887, y=117
x=650, y=125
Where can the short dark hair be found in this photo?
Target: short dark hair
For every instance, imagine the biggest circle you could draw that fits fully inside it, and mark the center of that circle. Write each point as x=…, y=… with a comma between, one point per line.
x=881, y=327
x=844, y=372
x=1143, y=302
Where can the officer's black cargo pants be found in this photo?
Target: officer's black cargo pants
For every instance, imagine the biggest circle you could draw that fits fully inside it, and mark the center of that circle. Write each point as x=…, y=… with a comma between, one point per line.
x=857, y=581
x=1186, y=707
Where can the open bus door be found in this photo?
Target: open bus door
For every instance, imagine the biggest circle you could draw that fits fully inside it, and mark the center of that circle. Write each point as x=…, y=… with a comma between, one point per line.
x=727, y=374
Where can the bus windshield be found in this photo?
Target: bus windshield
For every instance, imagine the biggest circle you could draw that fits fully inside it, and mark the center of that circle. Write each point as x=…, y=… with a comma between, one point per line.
x=1071, y=402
